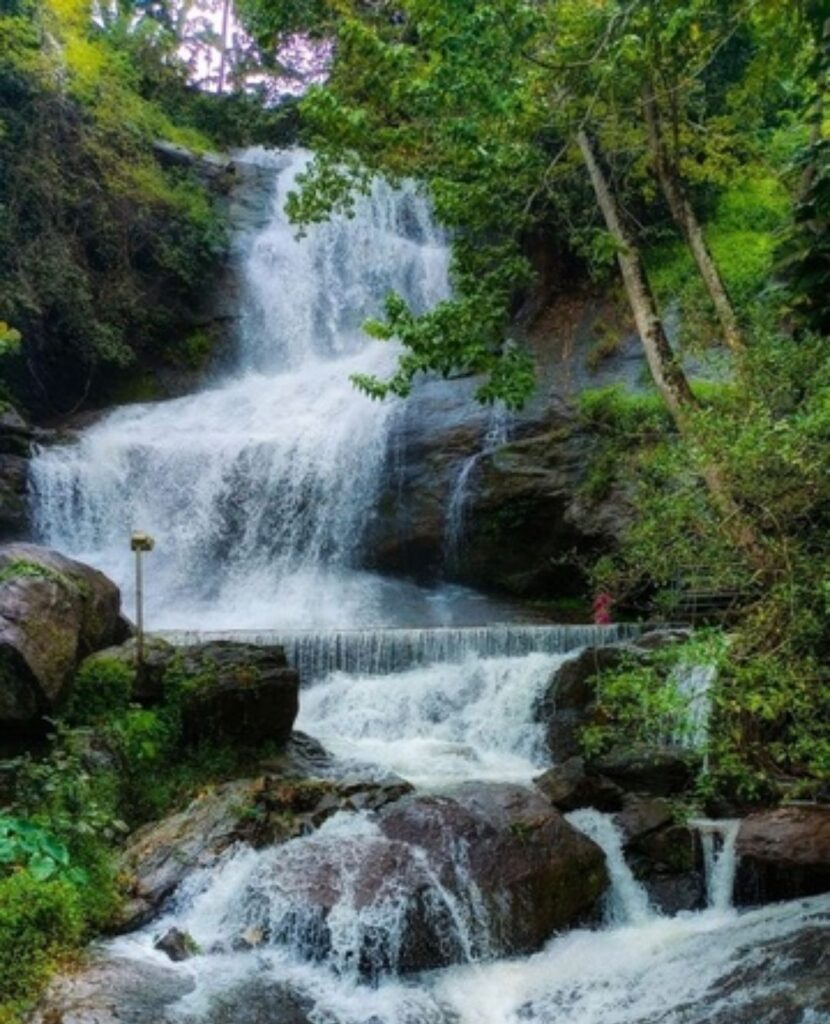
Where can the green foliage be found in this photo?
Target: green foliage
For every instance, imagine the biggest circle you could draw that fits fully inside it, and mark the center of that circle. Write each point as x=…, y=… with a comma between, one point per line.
x=102, y=687
x=644, y=701
x=21, y=568
x=40, y=922
x=24, y=844
x=770, y=432
x=481, y=101
x=99, y=245
x=615, y=410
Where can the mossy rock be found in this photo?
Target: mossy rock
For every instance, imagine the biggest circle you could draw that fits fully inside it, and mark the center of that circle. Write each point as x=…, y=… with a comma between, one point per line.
x=53, y=612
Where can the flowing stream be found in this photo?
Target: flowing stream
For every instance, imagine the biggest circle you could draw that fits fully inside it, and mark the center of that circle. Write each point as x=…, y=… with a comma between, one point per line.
x=258, y=490
x=464, y=720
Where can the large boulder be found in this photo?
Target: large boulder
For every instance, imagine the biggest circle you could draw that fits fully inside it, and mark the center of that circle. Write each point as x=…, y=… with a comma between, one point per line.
x=299, y=790
x=148, y=684
x=233, y=692
x=482, y=870
x=664, y=855
x=113, y=990
x=532, y=871
x=657, y=770
x=784, y=853
x=569, y=786
x=53, y=612
x=161, y=855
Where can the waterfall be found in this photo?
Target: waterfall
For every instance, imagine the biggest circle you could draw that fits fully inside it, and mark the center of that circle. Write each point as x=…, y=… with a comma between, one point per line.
x=719, y=838
x=258, y=488
x=693, y=684
x=317, y=653
x=496, y=435
x=627, y=900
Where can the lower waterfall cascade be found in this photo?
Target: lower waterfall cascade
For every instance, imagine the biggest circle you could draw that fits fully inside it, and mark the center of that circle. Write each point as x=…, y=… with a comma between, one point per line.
x=467, y=719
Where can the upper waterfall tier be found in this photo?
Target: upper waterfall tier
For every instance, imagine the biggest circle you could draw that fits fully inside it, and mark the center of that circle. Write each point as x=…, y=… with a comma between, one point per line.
x=259, y=488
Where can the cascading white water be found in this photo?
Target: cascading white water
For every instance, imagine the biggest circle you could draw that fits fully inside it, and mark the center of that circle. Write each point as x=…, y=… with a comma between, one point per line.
x=438, y=724
x=719, y=838
x=319, y=896
x=627, y=901
x=495, y=436
x=369, y=652
x=258, y=489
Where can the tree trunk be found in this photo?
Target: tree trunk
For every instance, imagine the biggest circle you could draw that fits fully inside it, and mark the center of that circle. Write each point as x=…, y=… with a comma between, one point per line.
x=223, y=46
x=666, y=372
x=686, y=219
x=669, y=377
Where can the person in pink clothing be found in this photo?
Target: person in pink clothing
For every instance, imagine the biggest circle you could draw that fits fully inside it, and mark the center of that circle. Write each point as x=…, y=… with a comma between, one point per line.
x=602, y=608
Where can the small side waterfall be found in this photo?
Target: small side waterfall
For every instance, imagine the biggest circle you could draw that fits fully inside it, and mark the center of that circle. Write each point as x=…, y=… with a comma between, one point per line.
x=496, y=435
x=627, y=901
x=694, y=686
x=718, y=837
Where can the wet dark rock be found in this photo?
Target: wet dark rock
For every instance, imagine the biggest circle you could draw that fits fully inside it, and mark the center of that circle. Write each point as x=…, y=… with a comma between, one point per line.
x=491, y=869
x=53, y=612
x=525, y=503
x=113, y=991
x=178, y=945
x=287, y=806
x=238, y=693
x=15, y=446
x=258, y=1001
x=534, y=872
x=664, y=855
x=661, y=771
x=568, y=787
x=784, y=853
x=643, y=815
x=301, y=756
x=14, y=487
x=671, y=894
x=567, y=705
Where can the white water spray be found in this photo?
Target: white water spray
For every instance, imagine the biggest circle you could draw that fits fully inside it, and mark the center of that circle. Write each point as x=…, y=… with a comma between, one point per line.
x=627, y=900
x=258, y=490
x=719, y=838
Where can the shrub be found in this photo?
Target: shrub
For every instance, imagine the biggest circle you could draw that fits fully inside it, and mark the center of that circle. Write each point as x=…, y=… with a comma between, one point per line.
x=101, y=689
x=40, y=921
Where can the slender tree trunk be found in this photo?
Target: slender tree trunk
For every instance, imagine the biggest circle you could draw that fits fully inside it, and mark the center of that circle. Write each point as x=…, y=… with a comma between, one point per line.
x=686, y=219
x=666, y=372
x=669, y=377
x=816, y=112
x=223, y=46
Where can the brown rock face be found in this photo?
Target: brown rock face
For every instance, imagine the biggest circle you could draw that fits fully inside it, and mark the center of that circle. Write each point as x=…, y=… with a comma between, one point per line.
x=53, y=612
x=568, y=787
x=484, y=870
x=567, y=705
x=784, y=853
x=240, y=693
x=112, y=991
x=534, y=872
